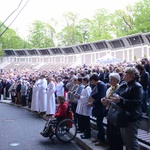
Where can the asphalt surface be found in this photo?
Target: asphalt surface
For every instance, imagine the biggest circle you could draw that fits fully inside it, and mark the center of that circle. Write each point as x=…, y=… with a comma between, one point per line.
x=20, y=128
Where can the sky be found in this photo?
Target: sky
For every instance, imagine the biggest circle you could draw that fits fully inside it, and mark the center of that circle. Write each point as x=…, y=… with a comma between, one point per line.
x=43, y=10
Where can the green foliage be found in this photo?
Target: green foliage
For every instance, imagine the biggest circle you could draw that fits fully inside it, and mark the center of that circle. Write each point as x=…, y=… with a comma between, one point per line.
x=11, y=40
x=142, y=16
x=41, y=35
x=70, y=34
x=84, y=30
x=100, y=27
x=122, y=22
x=71, y=31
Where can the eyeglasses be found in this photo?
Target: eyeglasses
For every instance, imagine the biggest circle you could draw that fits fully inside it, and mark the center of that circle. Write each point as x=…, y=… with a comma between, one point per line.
x=128, y=72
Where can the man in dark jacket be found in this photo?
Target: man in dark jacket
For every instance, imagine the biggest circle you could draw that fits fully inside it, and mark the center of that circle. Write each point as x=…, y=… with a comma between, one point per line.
x=98, y=111
x=18, y=88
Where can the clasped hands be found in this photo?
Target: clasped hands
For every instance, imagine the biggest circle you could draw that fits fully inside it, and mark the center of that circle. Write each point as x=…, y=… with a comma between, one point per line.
x=114, y=98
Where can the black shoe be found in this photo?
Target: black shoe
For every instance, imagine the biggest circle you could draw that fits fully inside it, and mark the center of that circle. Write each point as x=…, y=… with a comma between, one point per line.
x=45, y=134
x=85, y=136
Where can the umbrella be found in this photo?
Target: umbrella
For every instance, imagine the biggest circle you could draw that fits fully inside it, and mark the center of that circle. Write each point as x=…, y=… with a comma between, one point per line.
x=108, y=59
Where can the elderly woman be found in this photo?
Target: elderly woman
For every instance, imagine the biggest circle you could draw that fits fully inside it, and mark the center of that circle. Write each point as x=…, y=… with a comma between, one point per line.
x=113, y=132
x=60, y=114
x=129, y=97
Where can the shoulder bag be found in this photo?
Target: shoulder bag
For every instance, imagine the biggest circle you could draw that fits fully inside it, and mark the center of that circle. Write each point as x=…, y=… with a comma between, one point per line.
x=117, y=116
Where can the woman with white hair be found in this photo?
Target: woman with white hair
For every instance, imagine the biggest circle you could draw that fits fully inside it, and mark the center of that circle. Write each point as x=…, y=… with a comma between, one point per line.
x=114, y=79
x=113, y=133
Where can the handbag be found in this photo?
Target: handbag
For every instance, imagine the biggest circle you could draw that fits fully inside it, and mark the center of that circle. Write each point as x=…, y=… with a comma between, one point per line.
x=117, y=116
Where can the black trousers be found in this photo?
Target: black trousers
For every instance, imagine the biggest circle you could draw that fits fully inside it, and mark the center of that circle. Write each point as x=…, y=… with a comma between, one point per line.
x=86, y=125
x=23, y=100
x=114, y=137
x=80, y=123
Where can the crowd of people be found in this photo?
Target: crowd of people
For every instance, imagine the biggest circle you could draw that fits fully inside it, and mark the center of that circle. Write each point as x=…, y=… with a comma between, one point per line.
x=88, y=91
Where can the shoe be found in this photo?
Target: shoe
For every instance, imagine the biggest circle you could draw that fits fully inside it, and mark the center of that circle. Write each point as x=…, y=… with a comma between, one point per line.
x=99, y=143
x=45, y=134
x=85, y=136
x=94, y=141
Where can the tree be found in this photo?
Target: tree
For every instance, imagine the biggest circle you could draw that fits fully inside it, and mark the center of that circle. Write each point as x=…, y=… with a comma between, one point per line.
x=142, y=16
x=84, y=30
x=10, y=39
x=41, y=35
x=69, y=35
x=122, y=22
x=100, y=27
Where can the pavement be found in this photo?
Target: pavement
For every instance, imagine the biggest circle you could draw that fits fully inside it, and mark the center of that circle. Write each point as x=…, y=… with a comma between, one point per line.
x=86, y=144
x=20, y=130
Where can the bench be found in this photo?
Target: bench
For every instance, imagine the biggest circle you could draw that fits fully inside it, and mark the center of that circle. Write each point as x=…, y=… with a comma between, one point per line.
x=143, y=134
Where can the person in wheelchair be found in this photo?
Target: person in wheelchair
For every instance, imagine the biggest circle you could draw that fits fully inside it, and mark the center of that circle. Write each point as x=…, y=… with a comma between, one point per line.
x=60, y=114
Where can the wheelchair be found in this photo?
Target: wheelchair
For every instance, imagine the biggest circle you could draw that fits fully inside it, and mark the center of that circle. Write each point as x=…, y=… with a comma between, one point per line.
x=64, y=129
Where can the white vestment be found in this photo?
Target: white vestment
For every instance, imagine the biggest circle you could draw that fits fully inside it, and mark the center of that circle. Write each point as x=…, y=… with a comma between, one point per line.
x=43, y=95
x=51, y=103
x=82, y=107
x=35, y=97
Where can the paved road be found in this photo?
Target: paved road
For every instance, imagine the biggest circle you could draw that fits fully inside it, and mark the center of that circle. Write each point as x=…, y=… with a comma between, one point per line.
x=20, y=128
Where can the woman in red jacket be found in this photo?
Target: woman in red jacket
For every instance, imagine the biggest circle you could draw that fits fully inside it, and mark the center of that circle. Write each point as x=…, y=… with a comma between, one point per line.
x=61, y=109
x=60, y=114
